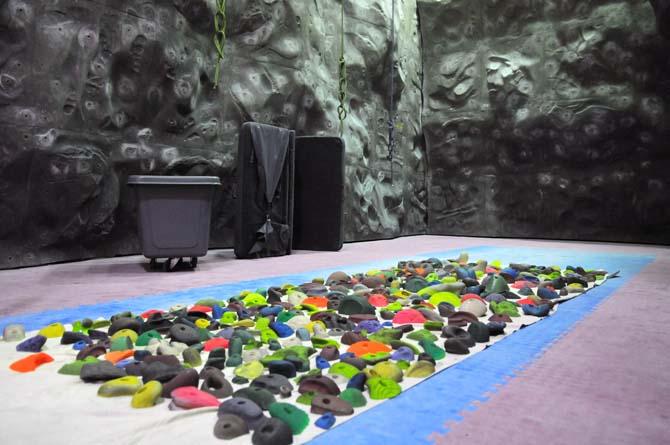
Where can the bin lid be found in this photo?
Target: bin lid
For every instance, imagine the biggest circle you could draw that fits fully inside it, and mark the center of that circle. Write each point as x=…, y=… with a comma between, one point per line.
x=173, y=180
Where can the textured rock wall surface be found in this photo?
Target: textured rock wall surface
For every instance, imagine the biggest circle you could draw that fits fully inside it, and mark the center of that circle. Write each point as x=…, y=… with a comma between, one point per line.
x=547, y=119
x=92, y=91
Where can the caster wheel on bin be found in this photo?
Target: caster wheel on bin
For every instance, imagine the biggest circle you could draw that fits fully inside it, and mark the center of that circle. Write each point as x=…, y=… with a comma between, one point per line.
x=194, y=262
x=153, y=264
x=167, y=265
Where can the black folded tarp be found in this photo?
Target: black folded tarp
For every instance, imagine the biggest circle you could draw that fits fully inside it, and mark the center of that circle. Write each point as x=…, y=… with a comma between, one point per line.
x=319, y=193
x=265, y=191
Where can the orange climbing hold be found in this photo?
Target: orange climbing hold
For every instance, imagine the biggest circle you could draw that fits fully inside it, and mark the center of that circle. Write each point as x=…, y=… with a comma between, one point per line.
x=316, y=301
x=31, y=362
x=378, y=300
x=368, y=347
x=117, y=356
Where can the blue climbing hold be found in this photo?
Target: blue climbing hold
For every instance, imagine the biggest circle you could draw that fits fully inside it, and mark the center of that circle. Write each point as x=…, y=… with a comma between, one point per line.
x=302, y=334
x=347, y=355
x=546, y=293
x=271, y=310
x=463, y=273
x=283, y=330
x=358, y=381
x=541, y=310
x=326, y=421
x=217, y=312
x=78, y=346
x=322, y=363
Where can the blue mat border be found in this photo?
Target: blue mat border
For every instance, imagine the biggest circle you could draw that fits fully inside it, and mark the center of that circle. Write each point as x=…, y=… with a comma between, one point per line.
x=413, y=414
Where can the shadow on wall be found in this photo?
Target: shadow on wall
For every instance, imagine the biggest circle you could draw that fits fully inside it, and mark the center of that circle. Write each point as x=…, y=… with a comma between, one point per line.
x=92, y=91
x=547, y=119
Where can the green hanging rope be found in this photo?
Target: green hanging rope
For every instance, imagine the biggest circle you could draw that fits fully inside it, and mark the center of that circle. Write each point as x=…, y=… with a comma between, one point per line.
x=341, y=109
x=219, y=37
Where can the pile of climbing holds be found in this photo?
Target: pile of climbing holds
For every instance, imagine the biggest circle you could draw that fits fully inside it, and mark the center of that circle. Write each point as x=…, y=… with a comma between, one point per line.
x=274, y=361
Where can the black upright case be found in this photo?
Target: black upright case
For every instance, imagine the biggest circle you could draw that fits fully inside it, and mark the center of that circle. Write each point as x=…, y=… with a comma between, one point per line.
x=265, y=166
x=319, y=193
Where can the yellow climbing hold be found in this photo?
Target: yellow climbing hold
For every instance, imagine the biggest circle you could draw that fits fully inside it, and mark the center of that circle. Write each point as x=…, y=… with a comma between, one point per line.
x=147, y=395
x=202, y=323
x=54, y=330
x=254, y=299
x=126, y=333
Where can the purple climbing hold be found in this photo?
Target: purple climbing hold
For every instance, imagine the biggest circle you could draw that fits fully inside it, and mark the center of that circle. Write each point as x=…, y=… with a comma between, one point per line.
x=403, y=353
x=32, y=344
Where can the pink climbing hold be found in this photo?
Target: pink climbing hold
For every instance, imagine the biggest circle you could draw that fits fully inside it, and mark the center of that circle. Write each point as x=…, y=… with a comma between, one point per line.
x=407, y=316
x=467, y=297
x=378, y=300
x=520, y=284
x=190, y=397
x=215, y=343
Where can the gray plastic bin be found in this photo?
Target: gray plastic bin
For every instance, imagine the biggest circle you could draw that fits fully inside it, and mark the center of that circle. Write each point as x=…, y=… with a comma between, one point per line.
x=174, y=214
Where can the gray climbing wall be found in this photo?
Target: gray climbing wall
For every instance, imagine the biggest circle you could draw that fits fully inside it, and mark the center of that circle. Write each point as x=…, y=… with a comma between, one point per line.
x=92, y=91
x=547, y=118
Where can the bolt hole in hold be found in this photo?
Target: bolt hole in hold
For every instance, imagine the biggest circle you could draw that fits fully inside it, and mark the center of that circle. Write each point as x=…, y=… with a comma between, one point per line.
x=326, y=401
x=240, y=402
x=267, y=429
x=227, y=425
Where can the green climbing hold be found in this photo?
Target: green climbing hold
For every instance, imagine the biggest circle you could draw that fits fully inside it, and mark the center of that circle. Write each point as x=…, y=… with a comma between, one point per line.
x=147, y=395
x=372, y=358
x=209, y=302
x=228, y=318
x=395, y=306
x=386, y=335
x=267, y=335
x=445, y=297
x=344, y=369
x=145, y=337
x=381, y=388
x=354, y=396
x=320, y=343
x=433, y=325
x=432, y=349
x=285, y=316
x=74, y=368
x=293, y=416
x=121, y=344
x=97, y=324
x=422, y=334
x=403, y=364
x=124, y=386
x=305, y=398
x=505, y=308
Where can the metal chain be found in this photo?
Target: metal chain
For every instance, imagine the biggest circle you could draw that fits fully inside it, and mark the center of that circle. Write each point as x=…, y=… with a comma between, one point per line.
x=219, y=37
x=341, y=109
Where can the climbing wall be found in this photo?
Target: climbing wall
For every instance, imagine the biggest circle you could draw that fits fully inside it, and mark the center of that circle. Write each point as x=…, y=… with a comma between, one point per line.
x=92, y=91
x=547, y=119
